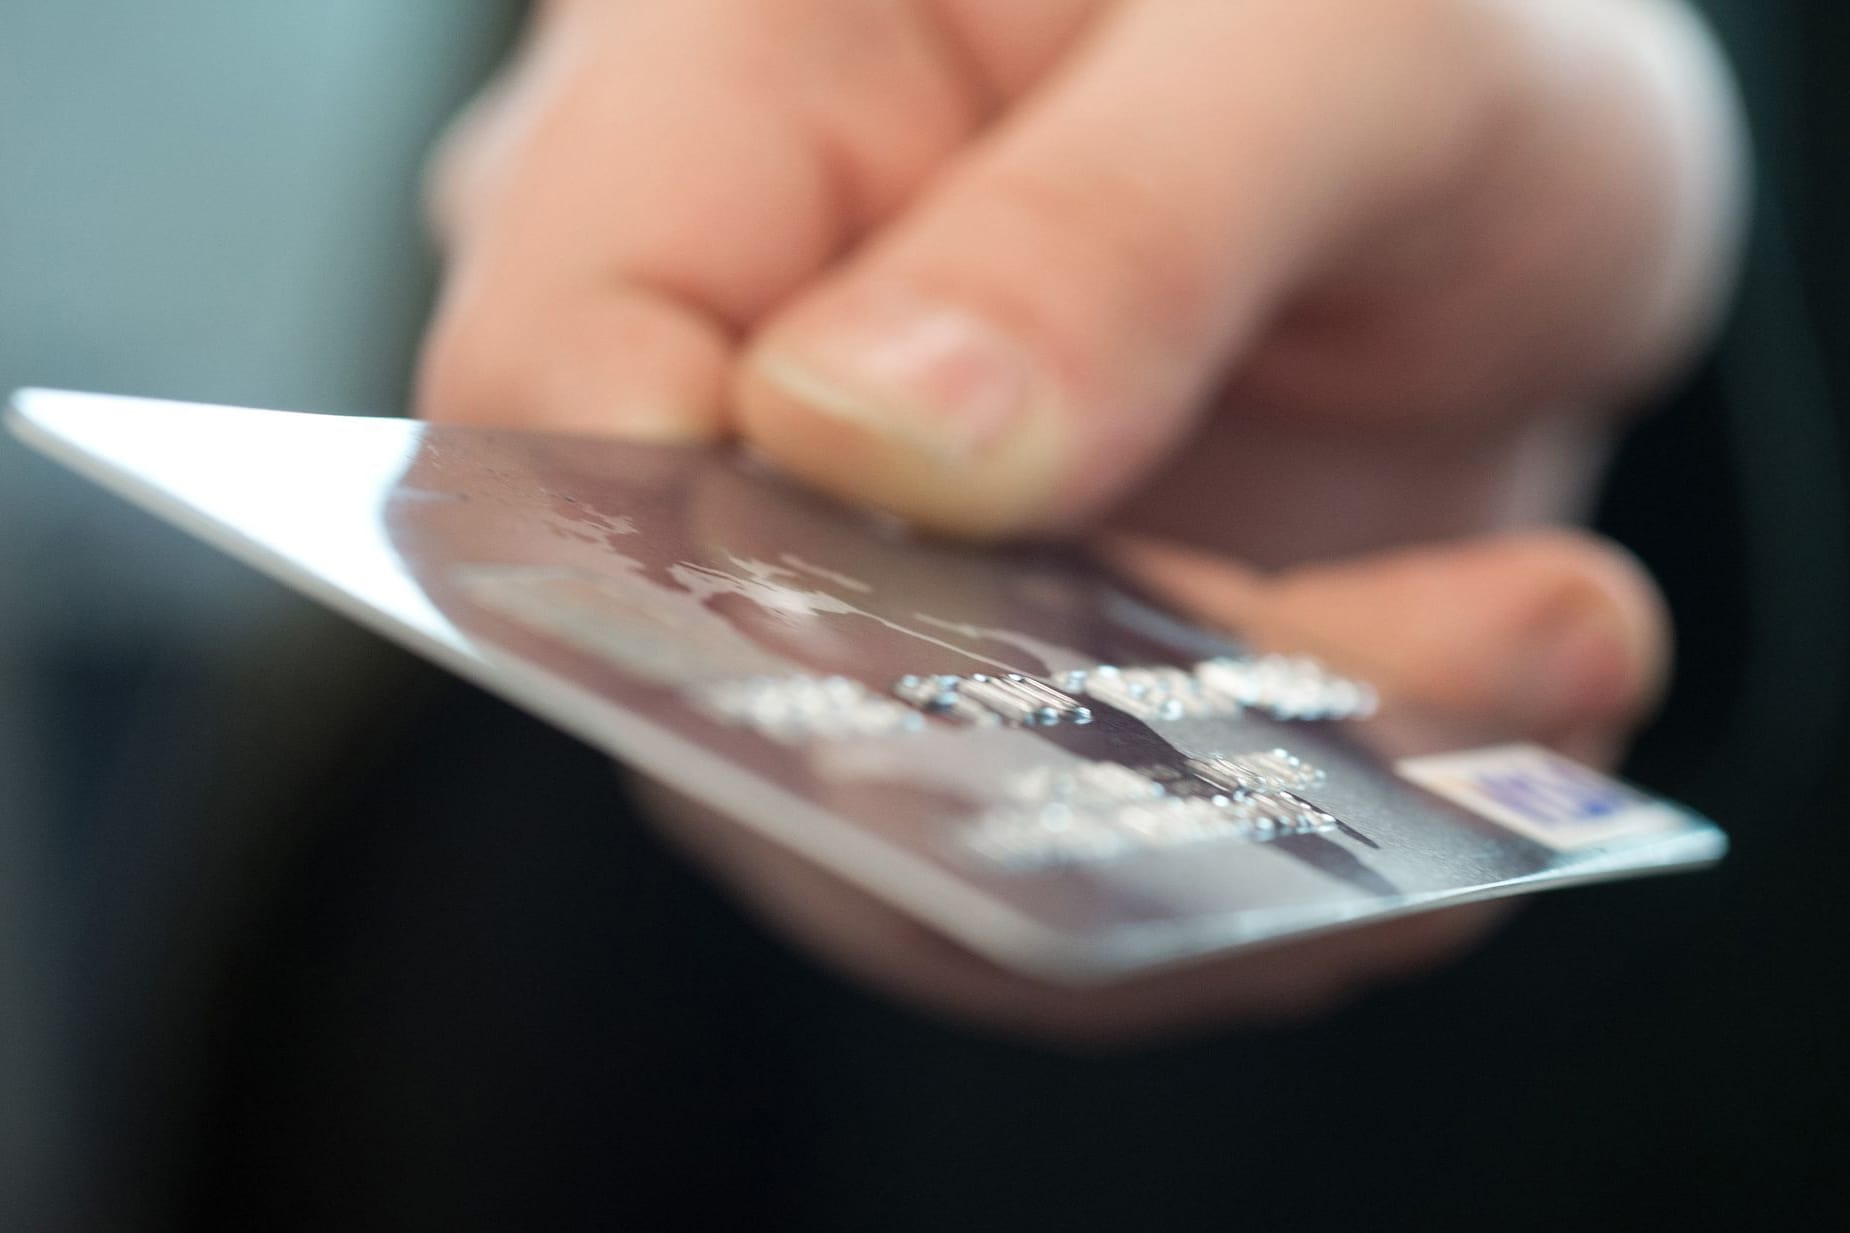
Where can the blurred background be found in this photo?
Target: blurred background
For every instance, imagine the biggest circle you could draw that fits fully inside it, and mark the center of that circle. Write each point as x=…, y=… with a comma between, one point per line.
x=211, y=202
x=212, y=818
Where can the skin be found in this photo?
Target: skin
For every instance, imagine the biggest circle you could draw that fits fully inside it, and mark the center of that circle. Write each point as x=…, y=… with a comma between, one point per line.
x=1319, y=310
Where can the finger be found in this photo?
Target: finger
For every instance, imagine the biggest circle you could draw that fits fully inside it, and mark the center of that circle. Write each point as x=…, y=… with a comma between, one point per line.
x=1028, y=339
x=650, y=180
x=1550, y=636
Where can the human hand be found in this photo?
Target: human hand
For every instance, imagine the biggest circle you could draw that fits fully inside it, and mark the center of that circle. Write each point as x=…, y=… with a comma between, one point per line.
x=1274, y=282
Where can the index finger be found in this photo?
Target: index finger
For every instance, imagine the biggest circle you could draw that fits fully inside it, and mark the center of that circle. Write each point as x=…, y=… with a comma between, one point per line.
x=647, y=183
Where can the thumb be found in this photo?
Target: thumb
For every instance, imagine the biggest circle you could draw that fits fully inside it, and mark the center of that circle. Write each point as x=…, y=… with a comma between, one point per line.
x=1555, y=636
x=1027, y=341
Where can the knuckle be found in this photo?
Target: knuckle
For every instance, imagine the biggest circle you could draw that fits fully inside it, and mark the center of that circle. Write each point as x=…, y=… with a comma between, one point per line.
x=1120, y=226
x=1114, y=239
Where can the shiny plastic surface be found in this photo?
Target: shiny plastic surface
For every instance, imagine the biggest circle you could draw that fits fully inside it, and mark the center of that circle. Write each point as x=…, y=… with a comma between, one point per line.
x=621, y=591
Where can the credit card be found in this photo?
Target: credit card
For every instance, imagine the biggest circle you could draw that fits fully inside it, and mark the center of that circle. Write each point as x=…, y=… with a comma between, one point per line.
x=1014, y=746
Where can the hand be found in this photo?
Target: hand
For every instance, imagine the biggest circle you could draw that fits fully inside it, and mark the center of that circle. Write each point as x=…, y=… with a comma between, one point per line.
x=1274, y=282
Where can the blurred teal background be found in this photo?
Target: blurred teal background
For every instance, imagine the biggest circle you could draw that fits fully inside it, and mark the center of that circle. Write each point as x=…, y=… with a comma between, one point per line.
x=201, y=200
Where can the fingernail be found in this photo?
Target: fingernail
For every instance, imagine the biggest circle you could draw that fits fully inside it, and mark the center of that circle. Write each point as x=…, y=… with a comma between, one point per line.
x=929, y=374
x=1583, y=672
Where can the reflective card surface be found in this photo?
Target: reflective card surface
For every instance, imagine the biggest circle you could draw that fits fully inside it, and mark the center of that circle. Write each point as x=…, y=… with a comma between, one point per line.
x=1012, y=746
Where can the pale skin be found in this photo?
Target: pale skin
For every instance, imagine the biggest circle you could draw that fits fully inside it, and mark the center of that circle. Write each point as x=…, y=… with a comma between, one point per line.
x=1320, y=311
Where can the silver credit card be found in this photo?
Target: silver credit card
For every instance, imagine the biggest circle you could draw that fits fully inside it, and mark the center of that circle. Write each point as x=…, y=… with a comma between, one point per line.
x=1013, y=746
